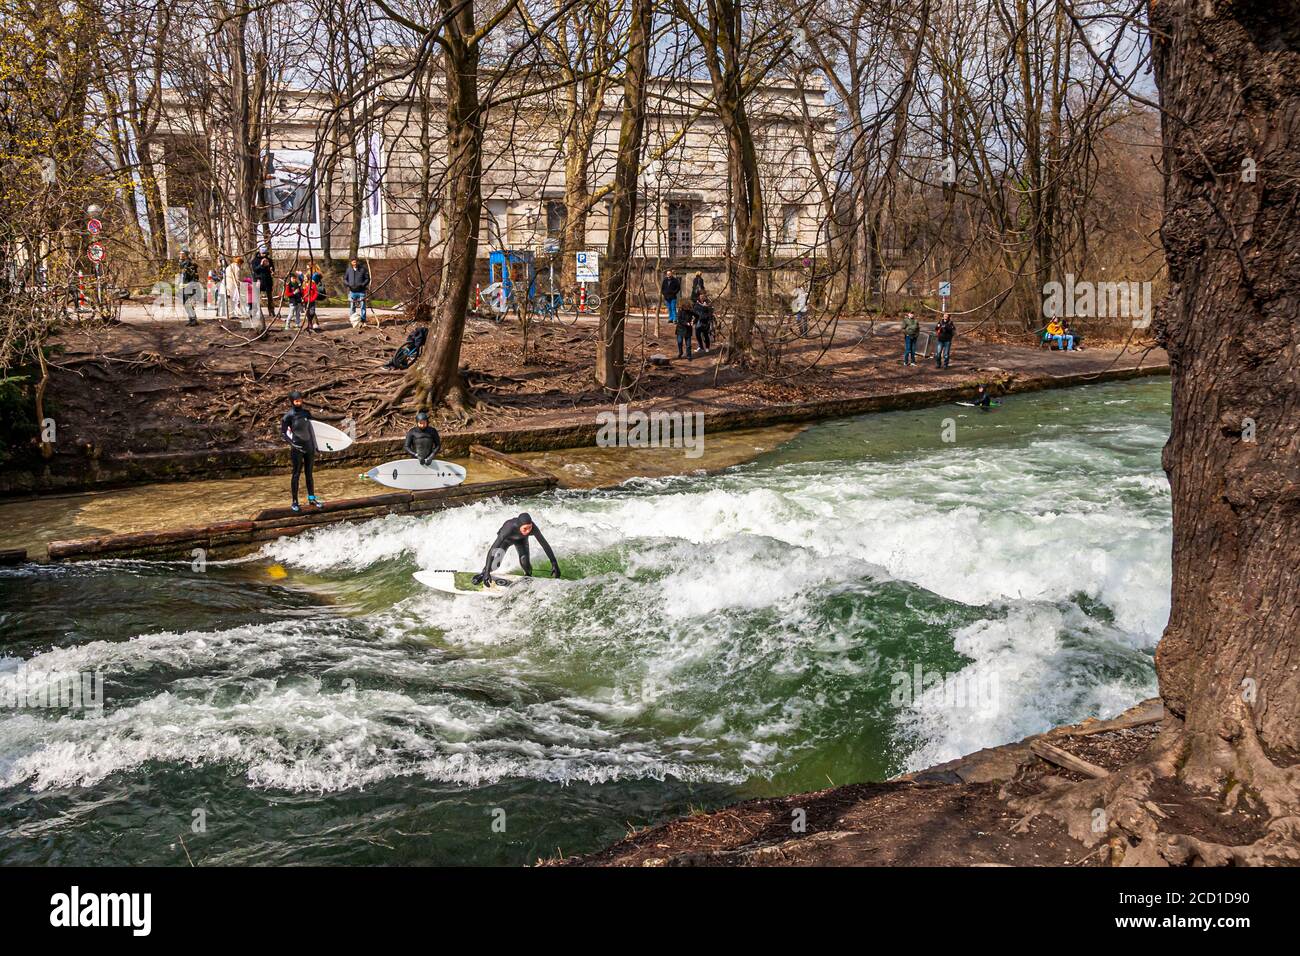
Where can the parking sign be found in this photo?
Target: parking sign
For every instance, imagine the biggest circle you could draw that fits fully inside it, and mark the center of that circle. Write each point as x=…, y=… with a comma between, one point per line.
x=588, y=267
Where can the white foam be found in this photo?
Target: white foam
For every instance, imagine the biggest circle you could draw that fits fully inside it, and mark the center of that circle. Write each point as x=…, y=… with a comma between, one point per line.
x=739, y=615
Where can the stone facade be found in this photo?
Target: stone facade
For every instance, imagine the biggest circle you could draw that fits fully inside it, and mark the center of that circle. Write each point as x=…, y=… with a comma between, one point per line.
x=685, y=184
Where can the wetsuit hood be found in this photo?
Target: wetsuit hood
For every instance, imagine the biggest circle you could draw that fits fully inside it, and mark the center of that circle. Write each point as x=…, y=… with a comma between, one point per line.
x=525, y=518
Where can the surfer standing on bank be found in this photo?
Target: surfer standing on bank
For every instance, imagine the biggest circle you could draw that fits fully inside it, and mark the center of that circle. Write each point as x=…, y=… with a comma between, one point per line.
x=516, y=532
x=423, y=443
x=295, y=427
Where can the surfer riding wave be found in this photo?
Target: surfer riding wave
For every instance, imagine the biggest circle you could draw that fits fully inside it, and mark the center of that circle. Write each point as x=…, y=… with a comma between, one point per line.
x=516, y=532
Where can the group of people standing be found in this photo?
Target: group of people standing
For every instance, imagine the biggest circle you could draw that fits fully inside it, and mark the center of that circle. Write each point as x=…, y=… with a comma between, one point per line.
x=695, y=319
x=232, y=292
x=945, y=330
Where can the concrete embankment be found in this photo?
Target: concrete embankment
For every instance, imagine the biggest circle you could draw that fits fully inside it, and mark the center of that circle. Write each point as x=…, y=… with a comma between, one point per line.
x=82, y=472
x=225, y=538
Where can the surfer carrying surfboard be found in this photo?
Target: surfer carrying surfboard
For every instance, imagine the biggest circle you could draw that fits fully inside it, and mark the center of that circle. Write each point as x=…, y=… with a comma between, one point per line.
x=295, y=427
x=516, y=533
x=423, y=443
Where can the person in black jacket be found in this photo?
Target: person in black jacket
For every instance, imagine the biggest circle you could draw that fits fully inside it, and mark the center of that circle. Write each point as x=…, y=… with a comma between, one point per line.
x=423, y=443
x=944, y=330
x=189, y=286
x=703, y=322
x=697, y=287
x=670, y=290
x=685, y=330
x=515, y=533
x=357, y=279
x=295, y=428
x=264, y=273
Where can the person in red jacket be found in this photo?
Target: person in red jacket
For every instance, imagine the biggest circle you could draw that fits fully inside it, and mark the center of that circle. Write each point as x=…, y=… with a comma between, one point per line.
x=312, y=290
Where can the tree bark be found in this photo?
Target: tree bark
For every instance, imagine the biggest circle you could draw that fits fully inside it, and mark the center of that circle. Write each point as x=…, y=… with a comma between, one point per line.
x=1229, y=78
x=437, y=378
x=610, y=359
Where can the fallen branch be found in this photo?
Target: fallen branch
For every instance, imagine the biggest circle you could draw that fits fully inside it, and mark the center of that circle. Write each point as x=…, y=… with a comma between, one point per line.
x=1061, y=758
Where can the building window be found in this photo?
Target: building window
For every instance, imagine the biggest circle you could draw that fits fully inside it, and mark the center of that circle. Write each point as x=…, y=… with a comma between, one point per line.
x=497, y=223
x=556, y=216
x=680, y=230
x=790, y=224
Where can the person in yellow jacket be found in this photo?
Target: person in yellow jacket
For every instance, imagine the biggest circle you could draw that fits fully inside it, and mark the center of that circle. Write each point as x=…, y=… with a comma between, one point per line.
x=1056, y=331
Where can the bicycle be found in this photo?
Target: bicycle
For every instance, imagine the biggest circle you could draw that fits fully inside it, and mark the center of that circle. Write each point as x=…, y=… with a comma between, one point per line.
x=550, y=306
x=573, y=298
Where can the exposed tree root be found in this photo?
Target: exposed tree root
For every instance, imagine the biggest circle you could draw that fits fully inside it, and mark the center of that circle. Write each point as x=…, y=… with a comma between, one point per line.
x=1229, y=771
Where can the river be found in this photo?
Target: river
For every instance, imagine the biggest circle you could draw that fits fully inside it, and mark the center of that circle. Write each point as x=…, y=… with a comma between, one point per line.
x=873, y=596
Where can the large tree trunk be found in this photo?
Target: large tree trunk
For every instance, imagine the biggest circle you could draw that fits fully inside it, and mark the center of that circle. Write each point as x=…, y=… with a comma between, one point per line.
x=437, y=377
x=749, y=218
x=1229, y=75
x=610, y=361
x=577, y=200
x=1229, y=78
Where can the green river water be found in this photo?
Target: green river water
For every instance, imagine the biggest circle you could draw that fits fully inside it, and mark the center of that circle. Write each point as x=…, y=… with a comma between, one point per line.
x=755, y=632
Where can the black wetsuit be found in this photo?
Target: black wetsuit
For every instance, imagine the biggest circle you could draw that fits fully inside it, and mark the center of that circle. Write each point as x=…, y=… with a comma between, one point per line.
x=295, y=428
x=423, y=444
x=511, y=535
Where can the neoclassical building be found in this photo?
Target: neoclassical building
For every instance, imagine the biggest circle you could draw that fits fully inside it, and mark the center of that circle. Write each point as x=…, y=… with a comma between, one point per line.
x=396, y=159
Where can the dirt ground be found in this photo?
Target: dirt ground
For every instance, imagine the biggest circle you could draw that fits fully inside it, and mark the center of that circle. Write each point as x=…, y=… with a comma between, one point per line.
x=961, y=816
x=145, y=386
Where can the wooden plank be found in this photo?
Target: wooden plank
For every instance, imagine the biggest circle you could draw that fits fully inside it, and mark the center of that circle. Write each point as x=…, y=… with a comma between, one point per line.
x=511, y=462
x=1151, y=716
x=1059, y=757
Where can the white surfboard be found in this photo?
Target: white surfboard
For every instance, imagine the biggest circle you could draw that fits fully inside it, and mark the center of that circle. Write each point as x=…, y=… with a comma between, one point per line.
x=329, y=438
x=458, y=582
x=407, y=474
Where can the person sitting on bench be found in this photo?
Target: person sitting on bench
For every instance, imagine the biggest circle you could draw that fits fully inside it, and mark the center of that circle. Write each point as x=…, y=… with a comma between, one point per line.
x=1056, y=332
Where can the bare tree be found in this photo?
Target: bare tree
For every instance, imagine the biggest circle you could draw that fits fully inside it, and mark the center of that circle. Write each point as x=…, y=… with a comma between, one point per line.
x=610, y=359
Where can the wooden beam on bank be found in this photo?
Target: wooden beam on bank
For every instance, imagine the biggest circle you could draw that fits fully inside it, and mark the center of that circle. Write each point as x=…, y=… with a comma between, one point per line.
x=1061, y=758
x=510, y=461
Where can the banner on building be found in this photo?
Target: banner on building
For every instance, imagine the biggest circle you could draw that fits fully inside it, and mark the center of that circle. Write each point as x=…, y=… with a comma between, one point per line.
x=289, y=194
x=370, y=156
